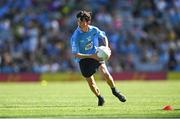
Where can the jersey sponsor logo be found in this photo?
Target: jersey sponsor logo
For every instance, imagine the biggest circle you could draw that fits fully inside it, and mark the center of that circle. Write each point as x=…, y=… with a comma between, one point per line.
x=88, y=39
x=89, y=46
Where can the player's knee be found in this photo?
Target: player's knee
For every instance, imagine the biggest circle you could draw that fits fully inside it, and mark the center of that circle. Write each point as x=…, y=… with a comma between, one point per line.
x=90, y=81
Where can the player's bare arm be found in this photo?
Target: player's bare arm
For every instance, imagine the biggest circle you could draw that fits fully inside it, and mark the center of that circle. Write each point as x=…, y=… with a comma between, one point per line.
x=105, y=40
x=94, y=56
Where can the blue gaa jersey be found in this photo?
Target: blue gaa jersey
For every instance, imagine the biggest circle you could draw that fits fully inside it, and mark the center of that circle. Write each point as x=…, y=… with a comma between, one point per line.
x=86, y=42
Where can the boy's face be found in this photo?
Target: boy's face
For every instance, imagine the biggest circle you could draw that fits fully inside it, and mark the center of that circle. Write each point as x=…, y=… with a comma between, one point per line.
x=82, y=23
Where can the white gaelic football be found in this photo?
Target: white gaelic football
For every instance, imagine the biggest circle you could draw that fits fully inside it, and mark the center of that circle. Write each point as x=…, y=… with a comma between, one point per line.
x=103, y=52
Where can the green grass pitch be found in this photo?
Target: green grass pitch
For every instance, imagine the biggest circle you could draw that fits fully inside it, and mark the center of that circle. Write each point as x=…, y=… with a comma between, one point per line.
x=75, y=100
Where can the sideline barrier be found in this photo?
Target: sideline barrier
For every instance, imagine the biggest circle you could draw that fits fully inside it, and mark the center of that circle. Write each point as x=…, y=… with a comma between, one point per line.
x=20, y=77
x=140, y=76
x=173, y=76
x=67, y=76
x=72, y=76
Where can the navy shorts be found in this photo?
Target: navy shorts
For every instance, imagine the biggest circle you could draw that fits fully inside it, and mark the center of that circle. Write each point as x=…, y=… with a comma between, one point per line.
x=89, y=66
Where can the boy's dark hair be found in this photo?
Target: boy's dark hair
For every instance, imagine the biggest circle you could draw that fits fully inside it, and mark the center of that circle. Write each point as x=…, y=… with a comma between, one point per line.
x=84, y=15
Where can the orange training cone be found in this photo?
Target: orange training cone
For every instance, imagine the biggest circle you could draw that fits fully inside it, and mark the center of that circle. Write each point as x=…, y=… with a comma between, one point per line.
x=168, y=107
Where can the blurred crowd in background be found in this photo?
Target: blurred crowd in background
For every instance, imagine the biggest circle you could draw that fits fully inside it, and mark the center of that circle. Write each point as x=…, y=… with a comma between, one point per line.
x=144, y=35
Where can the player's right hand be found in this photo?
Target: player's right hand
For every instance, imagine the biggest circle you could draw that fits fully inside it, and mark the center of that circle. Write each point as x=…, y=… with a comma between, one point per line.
x=94, y=56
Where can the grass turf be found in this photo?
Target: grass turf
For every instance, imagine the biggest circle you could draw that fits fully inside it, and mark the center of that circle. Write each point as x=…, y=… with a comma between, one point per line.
x=75, y=100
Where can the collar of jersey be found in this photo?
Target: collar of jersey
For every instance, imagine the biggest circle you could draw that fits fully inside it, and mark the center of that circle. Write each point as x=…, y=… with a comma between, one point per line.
x=79, y=29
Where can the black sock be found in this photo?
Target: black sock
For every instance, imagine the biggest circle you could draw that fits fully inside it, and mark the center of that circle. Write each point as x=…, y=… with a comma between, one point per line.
x=99, y=97
x=114, y=90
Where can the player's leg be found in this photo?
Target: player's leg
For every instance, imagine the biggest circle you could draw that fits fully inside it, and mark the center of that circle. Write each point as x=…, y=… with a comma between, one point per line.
x=93, y=86
x=106, y=75
x=109, y=79
x=88, y=67
x=95, y=90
